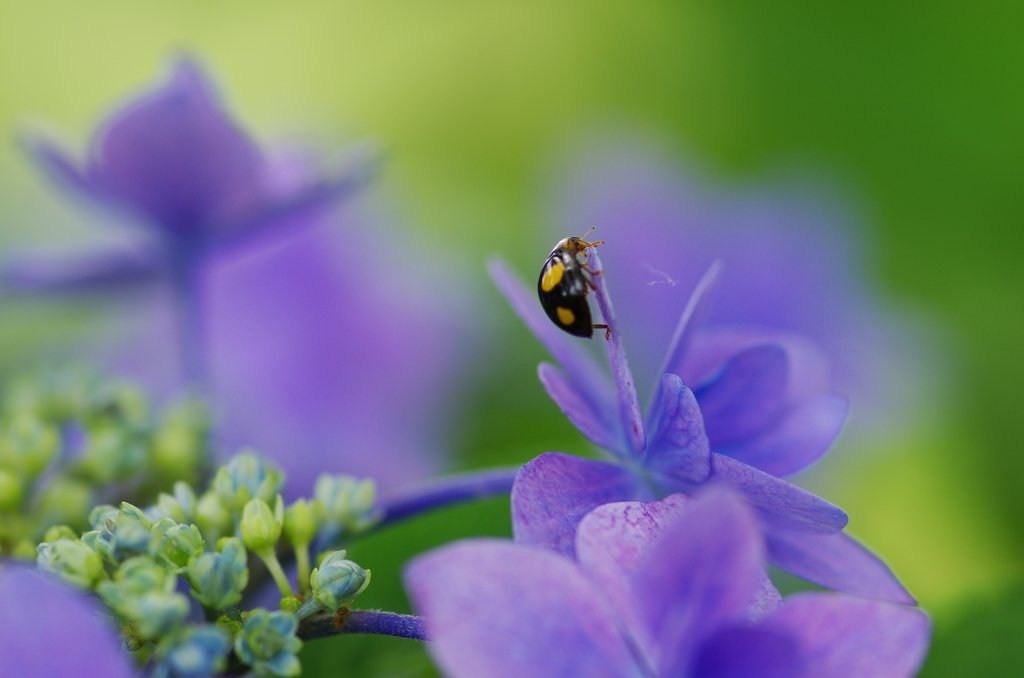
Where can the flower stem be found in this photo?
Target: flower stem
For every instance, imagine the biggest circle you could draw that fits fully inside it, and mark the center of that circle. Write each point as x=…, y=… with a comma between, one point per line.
x=274, y=568
x=363, y=621
x=302, y=565
x=445, y=492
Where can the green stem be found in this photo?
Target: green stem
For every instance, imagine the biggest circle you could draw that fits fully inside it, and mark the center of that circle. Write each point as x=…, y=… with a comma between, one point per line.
x=302, y=563
x=274, y=567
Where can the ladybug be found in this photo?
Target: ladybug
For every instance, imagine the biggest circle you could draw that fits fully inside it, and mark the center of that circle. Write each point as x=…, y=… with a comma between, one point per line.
x=563, y=287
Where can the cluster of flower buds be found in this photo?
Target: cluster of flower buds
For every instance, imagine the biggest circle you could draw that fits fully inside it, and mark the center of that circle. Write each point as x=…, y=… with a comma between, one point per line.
x=144, y=563
x=69, y=438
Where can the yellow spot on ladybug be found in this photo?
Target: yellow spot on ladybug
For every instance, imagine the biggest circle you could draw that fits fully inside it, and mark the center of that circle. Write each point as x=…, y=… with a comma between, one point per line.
x=552, y=276
x=565, y=316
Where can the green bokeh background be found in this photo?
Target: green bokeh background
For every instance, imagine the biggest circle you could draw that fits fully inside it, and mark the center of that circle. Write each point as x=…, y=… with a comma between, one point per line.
x=917, y=106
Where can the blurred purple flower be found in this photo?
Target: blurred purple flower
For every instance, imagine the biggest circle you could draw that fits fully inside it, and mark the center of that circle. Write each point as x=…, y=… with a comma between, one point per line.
x=755, y=397
x=649, y=599
x=320, y=347
x=47, y=630
x=794, y=265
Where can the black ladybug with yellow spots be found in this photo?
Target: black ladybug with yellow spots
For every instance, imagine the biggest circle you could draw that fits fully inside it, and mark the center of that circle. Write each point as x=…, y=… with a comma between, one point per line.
x=563, y=287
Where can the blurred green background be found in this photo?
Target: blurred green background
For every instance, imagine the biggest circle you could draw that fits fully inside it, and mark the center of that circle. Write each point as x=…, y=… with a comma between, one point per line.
x=917, y=106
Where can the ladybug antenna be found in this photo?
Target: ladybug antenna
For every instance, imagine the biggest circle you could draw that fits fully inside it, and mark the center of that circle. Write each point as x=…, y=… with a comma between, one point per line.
x=588, y=232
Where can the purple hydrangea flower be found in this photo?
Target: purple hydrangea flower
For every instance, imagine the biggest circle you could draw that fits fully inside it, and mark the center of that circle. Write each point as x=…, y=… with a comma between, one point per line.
x=319, y=344
x=50, y=631
x=794, y=263
x=755, y=398
x=655, y=591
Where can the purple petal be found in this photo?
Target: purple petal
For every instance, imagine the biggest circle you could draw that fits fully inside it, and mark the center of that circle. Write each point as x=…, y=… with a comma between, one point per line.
x=175, y=157
x=612, y=540
x=677, y=446
x=837, y=562
x=553, y=492
x=580, y=410
x=49, y=631
x=102, y=271
x=584, y=374
x=712, y=347
x=625, y=389
x=747, y=395
x=701, y=574
x=802, y=435
x=748, y=652
x=692, y=320
x=61, y=169
x=501, y=610
x=780, y=504
x=840, y=637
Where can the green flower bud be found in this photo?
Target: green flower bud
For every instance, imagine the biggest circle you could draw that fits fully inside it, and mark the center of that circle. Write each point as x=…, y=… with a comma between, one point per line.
x=181, y=506
x=99, y=516
x=175, y=546
x=338, y=581
x=200, y=651
x=347, y=501
x=218, y=579
x=245, y=477
x=65, y=501
x=25, y=550
x=136, y=513
x=302, y=520
x=133, y=578
x=155, y=614
x=290, y=604
x=113, y=453
x=73, y=561
x=268, y=644
x=260, y=526
x=10, y=491
x=123, y=535
x=28, y=444
x=59, y=532
x=211, y=516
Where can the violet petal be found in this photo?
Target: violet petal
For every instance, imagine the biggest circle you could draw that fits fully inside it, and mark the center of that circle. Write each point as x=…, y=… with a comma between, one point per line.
x=692, y=319
x=580, y=410
x=748, y=652
x=841, y=637
x=62, y=169
x=553, y=492
x=746, y=396
x=632, y=421
x=801, y=436
x=677, y=445
x=48, y=630
x=700, y=574
x=496, y=609
x=837, y=562
x=101, y=271
x=779, y=503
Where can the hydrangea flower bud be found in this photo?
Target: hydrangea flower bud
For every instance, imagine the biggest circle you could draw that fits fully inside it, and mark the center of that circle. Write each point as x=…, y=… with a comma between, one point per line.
x=73, y=561
x=246, y=477
x=175, y=546
x=156, y=614
x=218, y=579
x=338, y=581
x=112, y=453
x=302, y=520
x=181, y=506
x=10, y=490
x=211, y=516
x=202, y=651
x=56, y=532
x=28, y=444
x=268, y=644
x=179, y=442
x=65, y=501
x=347, y=501
x=260, y=526
x=99, y=516
x=133, y=578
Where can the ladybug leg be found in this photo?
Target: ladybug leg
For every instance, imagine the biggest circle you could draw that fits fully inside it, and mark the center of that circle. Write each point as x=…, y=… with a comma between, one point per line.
x=607, y=331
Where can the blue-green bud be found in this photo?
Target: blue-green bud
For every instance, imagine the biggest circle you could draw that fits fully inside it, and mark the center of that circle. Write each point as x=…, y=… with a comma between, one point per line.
x=218, y=579
x=175, y=546
x=211, y=516
x=260, y=526
x=99, y=516
x=245, y=477
x=124, y=535
x=137, y=513
x=179, y=442
x=302, y=520
x=112, y=453
x=181, y=506
x=268, y=644
x=347, y=501
x=155, y=614
x=56, y=532
x=133, y=578
x=120, y=401
x=28, y=444
x=338, y=581
x=73, y=561
x=200, y=651
x=65, y=501
x=11, y=491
